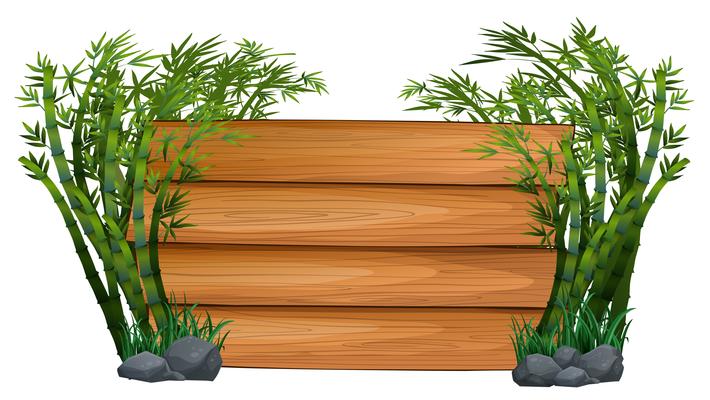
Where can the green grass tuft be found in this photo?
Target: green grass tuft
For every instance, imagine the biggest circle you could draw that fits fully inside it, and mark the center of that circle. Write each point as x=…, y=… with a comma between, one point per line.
x=182, y=321
x=580, y=330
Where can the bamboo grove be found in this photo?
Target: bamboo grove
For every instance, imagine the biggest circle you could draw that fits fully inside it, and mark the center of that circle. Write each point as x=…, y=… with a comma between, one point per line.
x=96, y=136
x=594, y=219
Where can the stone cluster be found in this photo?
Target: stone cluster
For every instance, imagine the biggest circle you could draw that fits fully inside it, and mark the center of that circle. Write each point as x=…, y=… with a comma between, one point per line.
x=567, y=367
x=188, y=358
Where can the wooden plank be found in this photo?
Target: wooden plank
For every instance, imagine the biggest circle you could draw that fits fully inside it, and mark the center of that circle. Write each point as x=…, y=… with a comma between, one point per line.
x=369, y=337
x=358, y=276
x=360, y=151
x=355, y=215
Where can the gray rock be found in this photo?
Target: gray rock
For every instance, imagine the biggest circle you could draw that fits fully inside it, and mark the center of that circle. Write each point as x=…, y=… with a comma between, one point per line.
x=573, y=377
x=195, y=358
x=174, y=376
x=566, y=356
x=148, y=367
x=604, y=363
x=536, y=370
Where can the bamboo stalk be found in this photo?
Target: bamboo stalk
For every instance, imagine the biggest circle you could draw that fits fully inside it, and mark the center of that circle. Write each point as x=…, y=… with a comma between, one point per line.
x=111, y=172
x=566, y=280
x=91, y=226
x=607, y=287
x=622, y=294
x=81, y=206
x=587, y=267
x=599, y=196
x=110, y=305
x=77, y=139
x=131, y=287
x=127, y=189
x=155, y=294
x=624, y=112
x=560, y=221
x=620, y=101
x=110, y=168
x=631, y=242
x=552, y=308
x=596, y=127
x=170, y=99
x=609, y=251
x=132, y=269
x=151, y=275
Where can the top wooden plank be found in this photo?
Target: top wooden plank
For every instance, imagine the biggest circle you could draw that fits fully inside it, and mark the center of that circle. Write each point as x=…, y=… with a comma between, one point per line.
x=359, y=152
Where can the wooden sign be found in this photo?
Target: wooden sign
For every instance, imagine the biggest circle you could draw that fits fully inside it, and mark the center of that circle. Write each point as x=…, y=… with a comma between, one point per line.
x=360, y=245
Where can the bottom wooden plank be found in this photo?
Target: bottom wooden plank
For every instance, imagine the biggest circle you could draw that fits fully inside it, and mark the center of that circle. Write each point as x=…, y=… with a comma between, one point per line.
x=413, y=338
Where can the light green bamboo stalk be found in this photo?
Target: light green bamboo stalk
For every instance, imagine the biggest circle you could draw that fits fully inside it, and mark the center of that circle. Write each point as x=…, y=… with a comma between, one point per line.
x=110, y=168
x=606, y=286
x=622, y=294
x=563, y=289
x=154, y=291
x=152, y=273
x=631, y=242
x=559, y=222
x=62, y=167
x=617, y=95
x=151, y=276
x=127, y=278
x=110, y=171
x=587, y=267
x=79, y=124
x=79, y=203
x=509, y=137
x=110, y=305
x=624, y=113
x=596, y=128
x=171, y=98
x=132, y=269
x=552, y=308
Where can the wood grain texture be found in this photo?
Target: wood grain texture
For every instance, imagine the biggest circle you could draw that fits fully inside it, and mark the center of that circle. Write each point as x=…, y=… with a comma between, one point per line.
x=369, y=337
x=355, y=276
x=360, y=245
x=359, y=151
x=355, y=215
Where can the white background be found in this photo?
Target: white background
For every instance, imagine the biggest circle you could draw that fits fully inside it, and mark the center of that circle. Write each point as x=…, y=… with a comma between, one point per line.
x=53, y=340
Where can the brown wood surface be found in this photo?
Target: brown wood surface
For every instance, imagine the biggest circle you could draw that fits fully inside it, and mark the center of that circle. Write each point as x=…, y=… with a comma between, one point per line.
x=369, y=337
x=358, y=276
x=359, y=151
x=360, y=245
x=355, y=215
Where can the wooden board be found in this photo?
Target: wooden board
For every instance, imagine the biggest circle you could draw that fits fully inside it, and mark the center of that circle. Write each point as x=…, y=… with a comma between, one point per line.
x=369, y=337
x=355, y=215
x=358, y=276
x=360, y=245
x=359, y=151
